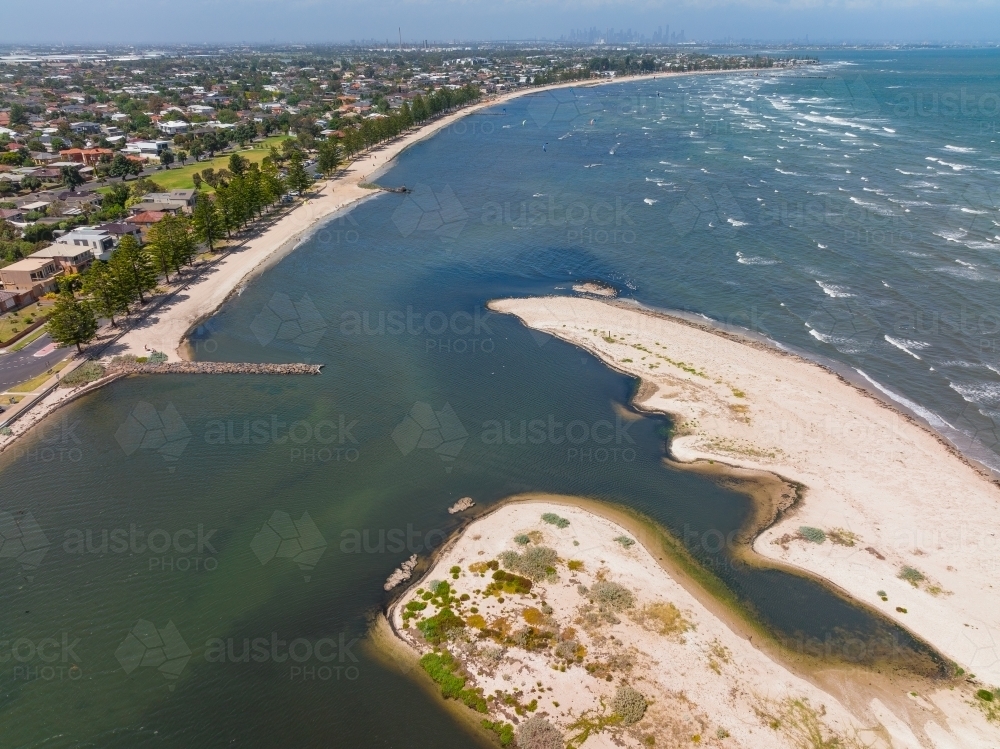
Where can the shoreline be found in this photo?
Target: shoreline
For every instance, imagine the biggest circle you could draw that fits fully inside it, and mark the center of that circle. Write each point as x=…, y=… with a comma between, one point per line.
x=334, y=196
x=204, y=295
x=858, y=696
x=908, y=512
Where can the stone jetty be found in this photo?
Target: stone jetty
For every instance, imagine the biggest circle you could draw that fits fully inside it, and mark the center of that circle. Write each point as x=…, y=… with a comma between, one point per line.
x=211, y=367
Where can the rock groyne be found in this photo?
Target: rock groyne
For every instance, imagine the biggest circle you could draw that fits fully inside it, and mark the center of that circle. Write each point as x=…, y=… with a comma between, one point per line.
x=212, y=367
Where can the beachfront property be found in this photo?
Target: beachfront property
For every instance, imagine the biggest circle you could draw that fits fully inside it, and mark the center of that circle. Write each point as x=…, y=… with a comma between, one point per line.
x=145, y=219
x=76, y=249
x=175, y=201
x=36, y=275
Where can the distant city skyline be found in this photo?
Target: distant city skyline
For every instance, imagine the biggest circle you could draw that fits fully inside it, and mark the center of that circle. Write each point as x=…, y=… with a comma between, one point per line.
x=315, y=21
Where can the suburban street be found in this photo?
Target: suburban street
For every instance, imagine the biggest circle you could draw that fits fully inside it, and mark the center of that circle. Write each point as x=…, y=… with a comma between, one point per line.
x=29, y=362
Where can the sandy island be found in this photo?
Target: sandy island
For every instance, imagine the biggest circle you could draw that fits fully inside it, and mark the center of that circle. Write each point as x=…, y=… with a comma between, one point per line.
x=544, y=616
x=891, y=514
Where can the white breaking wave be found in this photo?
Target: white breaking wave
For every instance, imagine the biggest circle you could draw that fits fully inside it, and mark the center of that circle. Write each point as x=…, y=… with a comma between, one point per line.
x=752, y=260
x=649, y=201
x=873, y=207
x=932, y=418
x=959, y=149
x=980, y=393
x=954, y=167
x=834, y=291
x=736, y=223
x=951, y=236
x=906, y=345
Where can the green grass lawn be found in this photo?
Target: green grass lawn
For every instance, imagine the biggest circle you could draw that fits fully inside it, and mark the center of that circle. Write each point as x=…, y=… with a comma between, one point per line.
x=30, y=338
x=14, y=322
x=179, y=177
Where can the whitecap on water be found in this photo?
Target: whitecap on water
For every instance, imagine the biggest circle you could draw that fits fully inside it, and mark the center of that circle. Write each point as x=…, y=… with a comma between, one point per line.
x=932, y=418
x=753, y=260
x=833, y=290
x=904, y=344
x=649, y=201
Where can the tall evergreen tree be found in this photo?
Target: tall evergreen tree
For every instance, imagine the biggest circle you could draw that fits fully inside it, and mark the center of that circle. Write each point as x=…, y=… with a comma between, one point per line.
x=106, y=295
x=170, y=243
x=329, y=156
x=71, y=321
x=133, y=269
x=207, y=221
x=297, y=178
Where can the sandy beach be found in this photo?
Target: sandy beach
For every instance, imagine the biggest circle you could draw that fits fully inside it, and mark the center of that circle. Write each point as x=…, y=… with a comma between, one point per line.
x=606, y=615
x=206, y=294
x=890, y=514
x=166, y=328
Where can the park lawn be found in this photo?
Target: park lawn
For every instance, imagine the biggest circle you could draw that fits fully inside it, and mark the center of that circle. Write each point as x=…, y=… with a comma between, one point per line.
x=36, y=382
x=179, y=178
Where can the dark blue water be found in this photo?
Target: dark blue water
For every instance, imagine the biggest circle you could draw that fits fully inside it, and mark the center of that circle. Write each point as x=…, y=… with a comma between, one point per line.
x=811, y=206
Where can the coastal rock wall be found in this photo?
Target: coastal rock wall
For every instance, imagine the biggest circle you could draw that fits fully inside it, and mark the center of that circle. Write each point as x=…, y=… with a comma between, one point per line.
x=209, y=367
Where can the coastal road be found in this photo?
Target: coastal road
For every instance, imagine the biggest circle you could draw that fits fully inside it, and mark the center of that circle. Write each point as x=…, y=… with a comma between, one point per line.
x=31, y=361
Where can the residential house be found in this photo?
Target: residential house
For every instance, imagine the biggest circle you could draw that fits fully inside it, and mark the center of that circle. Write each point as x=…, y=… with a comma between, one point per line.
x=43, y=158
x=33, y=274
x=14, y=299
x=85, y=156
x=119, y=229
x=146, y=149
x=84, y=127
x=145, y=220
x=175, y=201
x=15, y=215
x=77, y=254
x=173, y=127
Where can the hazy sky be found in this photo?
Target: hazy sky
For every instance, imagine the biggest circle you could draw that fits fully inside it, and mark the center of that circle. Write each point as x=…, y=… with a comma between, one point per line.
x=145, y=21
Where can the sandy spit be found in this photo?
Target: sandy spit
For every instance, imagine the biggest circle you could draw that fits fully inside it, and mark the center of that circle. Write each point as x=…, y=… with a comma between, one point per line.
x=901, y=513
x=704, y=682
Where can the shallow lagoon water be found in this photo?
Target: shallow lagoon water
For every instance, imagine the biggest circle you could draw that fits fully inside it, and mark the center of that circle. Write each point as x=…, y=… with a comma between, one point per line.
x=597, y=204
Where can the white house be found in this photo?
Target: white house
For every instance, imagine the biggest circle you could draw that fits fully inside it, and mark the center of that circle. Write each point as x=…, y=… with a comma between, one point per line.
x=146, y=149
x=173, y=127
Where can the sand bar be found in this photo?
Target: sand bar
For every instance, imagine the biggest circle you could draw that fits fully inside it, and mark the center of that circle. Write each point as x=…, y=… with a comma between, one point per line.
x=888, y=507
x=564, y=649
